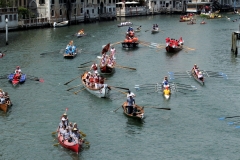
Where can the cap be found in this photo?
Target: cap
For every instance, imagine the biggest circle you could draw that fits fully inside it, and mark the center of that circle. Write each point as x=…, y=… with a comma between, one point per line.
x=75, y=129
x=65, y=114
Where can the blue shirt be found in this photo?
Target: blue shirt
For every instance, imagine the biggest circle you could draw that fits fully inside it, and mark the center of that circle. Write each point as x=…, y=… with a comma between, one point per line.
x=130, y=101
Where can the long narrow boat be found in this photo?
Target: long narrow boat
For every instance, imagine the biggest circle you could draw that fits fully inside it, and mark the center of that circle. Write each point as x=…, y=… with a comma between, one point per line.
x=15, y=81
x=140, y=113
x=125, y=24
x=103, y=92
x=201, y=81
x=60, y=24
x=75, y=147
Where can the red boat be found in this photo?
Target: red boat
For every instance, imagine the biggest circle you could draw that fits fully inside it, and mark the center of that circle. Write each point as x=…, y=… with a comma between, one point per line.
x=173, y=45
x=75, y=147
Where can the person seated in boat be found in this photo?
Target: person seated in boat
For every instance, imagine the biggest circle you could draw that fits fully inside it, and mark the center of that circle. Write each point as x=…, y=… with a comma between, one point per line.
x=200, y=75
x=7, y=98
x=139, y=28
x=61, y=124
x=96, y=80
x=18, y=70
x=81, y=32
x=75, y=136
x=1, y=54
x=94, y=68
x=17, y=76
x=91, y=80
x=86, y=80
x=165, y=82
x=130, y=103
x=2, y=99
x=62, y=130
x=195, y=67
x=156, y=25
x=74, y=49
x=66, y=135
x=166, y=91
x=153, y=26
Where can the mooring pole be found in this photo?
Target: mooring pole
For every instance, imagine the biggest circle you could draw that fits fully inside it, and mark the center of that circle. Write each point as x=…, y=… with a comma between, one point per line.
x=6, y=31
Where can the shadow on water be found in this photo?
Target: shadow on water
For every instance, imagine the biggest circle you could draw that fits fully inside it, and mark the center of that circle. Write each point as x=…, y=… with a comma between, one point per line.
x=171, y=54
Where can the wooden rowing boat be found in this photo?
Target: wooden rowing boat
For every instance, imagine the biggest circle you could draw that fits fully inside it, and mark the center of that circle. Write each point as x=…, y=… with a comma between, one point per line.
x=140, y=111
x=70, y=55
x=137, y=30
x=201, y=81
x=102, y=92
x=4, y=107
x=75, y=147
x=173, y=47
x=106, y=69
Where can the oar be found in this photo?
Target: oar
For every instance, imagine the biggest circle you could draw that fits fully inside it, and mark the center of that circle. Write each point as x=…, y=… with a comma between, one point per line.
x=83, y=67
x=54, y=132
x=79, y=91
x=126, y=67
x=117, y=109
x=36, y=79
x=119, y=87
x=180, y=91
x=86, y=62
x=73, y=87
x=71, y=80
x=83, y=134
x=158, y=108
x=119, y=91
x=222, y=118
x=49, y=52
x=116, y=43
x=56, y=144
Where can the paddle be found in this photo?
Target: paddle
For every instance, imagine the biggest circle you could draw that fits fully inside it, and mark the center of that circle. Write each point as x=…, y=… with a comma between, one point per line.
x=126, y=67
x=79, y=91
x=158, y=108
x=73, y=87
x=54, y=132
x=222, y=118
x=116, y=43
x=35, y=78
x=119, y=91
x=83, y=134
x=56, y=144
x=49, y=52
x=71, y=80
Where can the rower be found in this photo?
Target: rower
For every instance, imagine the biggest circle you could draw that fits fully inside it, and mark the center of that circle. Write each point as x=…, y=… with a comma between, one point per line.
x=18, y=69
x=200, y=75
x=166, y=91
x=66, y=135
x=94, y=68
x=165, y=82
x=130, y=103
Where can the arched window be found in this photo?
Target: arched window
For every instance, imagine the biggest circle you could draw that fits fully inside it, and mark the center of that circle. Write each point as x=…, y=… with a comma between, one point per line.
x=98, y=1
x=60, y=12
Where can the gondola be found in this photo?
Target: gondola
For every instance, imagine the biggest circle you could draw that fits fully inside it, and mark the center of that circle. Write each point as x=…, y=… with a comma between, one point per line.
x=102, y=92
x=75, y=147
x=15, y=80
x=140, y=111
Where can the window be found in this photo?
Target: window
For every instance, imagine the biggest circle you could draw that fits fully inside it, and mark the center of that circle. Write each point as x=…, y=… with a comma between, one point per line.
x=41, y=1
x=10, y=17
x=92, y=10
x=0, y=18
x=114, y=1
x=110, y=10
x=98, y=1
x=113, y=9
x=53, y=2
x=60, y=12
x=81, y=10
x=14, y=17
x=52, y=13
x=82, y=0
x=6, y=16
x=104, y=1
x=75, y=11
x=110, y=1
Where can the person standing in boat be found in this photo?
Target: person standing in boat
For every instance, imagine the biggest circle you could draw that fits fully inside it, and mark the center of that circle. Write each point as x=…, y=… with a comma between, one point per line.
x=94, y=68
x=66, y=122
x=130, y=94
x=61, y=124
x=130, y=103
x=113, y=51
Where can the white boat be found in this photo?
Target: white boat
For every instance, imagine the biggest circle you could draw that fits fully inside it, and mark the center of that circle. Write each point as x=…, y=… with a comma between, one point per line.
x=103, y=92
x=60, y=24
x=155, y=30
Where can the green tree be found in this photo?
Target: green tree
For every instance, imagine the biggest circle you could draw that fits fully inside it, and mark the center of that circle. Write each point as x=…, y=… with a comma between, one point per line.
x=6, y=3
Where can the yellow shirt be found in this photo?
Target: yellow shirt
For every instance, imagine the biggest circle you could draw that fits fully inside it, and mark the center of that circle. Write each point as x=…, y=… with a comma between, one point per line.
x=166, y=92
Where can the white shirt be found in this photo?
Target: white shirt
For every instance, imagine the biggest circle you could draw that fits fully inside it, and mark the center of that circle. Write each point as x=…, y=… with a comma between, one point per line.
x=131, y=94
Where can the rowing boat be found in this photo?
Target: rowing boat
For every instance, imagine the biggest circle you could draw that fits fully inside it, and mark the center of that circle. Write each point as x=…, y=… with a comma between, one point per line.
x=60, y=24
x=174, y=46
x=137, y=30
x=16, y=80
x=107, y=69
x=139, y=114
x=201, y=81
x=102, y=92
x=75, y=147
x=4, y=107
x=155, y=30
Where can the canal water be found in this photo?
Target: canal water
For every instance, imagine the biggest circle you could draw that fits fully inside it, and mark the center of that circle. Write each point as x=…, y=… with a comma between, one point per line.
x=190, y=130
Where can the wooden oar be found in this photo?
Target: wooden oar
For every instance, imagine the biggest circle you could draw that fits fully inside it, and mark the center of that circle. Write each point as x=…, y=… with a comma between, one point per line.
x=84, y=67
x=71, y=80
x=49, y=52
x=119, y=87
x=119, y=90
x=158, y=108
x=116, y=43
x=83, y=134
x=126, y=67
x=56, y=144
x=117, y=109
x=73, y=87
x=79, y=91
x=222, y=118
x=86, y=62
x=54, y=132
